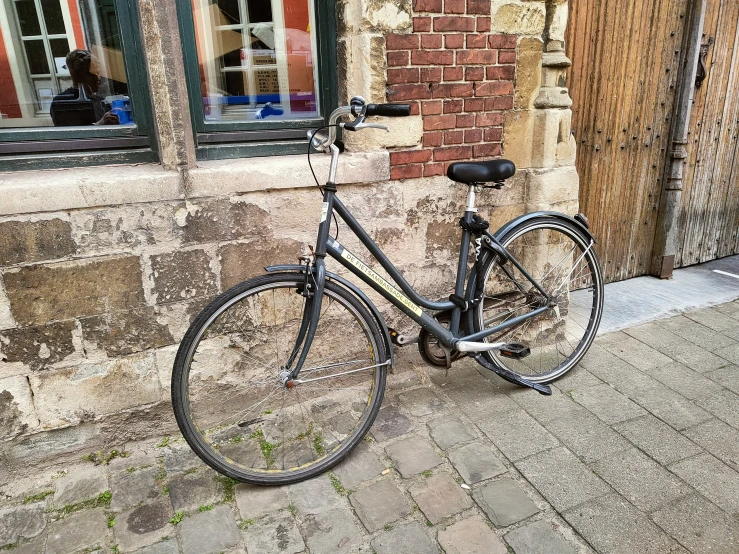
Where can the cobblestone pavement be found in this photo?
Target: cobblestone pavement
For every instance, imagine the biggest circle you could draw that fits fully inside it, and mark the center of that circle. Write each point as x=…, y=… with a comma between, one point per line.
x=636, y=452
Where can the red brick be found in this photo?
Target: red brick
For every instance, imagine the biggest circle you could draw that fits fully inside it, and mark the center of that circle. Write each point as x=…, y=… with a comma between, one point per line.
x=434, y=138
x=473, y=135
x=453, y=106
x=474, y=104
x=493, y=134
x=452, y=153
x=469, y=57
x=415, y=108
x=406, y=172
x=453, y=137
x=454, y=41
x=453, y=73
x=489, y=119
x=402, y=75
x=501, y=102
x=397, y=93
x=432, y=107
x=493, y=88
x=431, y=41
x=427, y=57
x=395, y=59
x=454, y=90
x=409, y=157
x=401, y=42
x=483, y=24
x=475, y=74
x=478, y=6
x=506, y=56
x=430, y=74
x=427, y=6
x=432, y=170
x=503, y=41
x=486, y=150
x=421, y=24
x=505, y=72
x=454, y=23
x=477, y=41
x=437, y=122
x=454, y=6
x=466, y=120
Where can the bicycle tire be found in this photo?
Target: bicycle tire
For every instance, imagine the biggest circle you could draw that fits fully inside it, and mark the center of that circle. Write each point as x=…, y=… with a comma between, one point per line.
x=213, y=337
x=531, y=243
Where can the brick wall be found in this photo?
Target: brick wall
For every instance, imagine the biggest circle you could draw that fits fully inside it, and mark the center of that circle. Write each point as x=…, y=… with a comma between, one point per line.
x=459, y=77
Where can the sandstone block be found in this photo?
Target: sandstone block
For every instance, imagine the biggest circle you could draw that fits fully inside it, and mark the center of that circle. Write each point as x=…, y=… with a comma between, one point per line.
x=243, y=261
x=38, y=347
x=24, y=522
x=35, y=241
x=222, y=219
x=80, y=531
x=17, y=413
x=471, y=536
x=55, y=444
x=80, y=485
x=143, y=526
x=275, y=534
x=123, y=333
x=518, y=18
x=6, y=317
x=183, y=275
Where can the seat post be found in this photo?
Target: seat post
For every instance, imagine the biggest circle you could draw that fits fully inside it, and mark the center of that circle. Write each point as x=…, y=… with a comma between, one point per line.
x=471, y=198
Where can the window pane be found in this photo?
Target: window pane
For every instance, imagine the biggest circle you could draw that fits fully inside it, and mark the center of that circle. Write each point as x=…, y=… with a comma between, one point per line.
x=258, y=59
x=63, y=76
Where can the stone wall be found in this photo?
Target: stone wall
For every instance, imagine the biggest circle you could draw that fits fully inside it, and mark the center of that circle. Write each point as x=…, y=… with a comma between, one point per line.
x=104, y=268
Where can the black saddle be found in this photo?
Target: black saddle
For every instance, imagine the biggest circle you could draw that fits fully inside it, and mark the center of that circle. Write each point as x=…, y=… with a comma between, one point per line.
x=495, y=171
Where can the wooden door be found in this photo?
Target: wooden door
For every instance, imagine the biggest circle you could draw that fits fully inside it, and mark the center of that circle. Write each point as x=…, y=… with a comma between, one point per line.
x=709, y=211
x=623, y=83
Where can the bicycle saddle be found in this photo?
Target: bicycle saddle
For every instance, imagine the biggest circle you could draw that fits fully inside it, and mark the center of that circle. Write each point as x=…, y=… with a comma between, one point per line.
x=481, y=172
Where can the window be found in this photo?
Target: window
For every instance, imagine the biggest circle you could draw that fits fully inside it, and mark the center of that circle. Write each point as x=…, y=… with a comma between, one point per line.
x=71, y=83
x=260, y=72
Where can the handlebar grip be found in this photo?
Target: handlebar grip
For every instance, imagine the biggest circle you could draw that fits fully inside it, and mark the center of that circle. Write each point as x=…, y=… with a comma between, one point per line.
x=388, y=110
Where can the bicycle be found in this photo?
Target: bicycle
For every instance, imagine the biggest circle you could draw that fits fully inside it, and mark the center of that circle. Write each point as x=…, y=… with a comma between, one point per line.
x=281, y=376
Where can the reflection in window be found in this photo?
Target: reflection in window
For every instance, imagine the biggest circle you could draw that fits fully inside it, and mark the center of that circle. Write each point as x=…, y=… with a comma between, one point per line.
x=61, y=64
x=257, y=59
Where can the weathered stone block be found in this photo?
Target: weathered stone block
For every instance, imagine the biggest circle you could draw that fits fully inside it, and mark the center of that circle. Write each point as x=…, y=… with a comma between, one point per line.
x=471, y=536
x=55, y=444
x=143, y=526
x=6, y=317
x=243, y=261
x=335, y=531
x=361, y=465
x=379, y=504
x=131, y=489
x=123, y=333
x=528, y=72
x=476, y=462
x=505, y=502
x=412, y=456
x=190, y=492
x=275, y=534
x=440, y=497
x=17, y=413
x=405, y=539
x=80, y=485
x=35, y=241
x=23, y=522
x=390, y=423
x=183, y=275
x=450, y=431
x=314, y=496
x=78, y=394
x=53, y=292
x=222, y=219
x=518, y=18
x=38, y=347
x=539, y=538
x=77, y=532
x=254, y=502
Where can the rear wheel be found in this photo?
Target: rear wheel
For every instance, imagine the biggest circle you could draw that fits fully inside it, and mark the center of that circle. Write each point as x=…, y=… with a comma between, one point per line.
x=233, y=401
x=557, y=255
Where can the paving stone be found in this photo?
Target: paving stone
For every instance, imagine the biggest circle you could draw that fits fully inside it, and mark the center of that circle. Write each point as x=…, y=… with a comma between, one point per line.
x=726, y=375
x=131, y=489
x=476, y=462
x=34, y=546
x=410, y=538
x=471, y=536
x=165, y=547
x=603, y=523
x=23, y=522
x=504, y=502
x=379, y=504
x=480, y=398
x=719, y=439
x=608, y=404
x=210, y=532
x=577, y=378
x=633, y=351
x=690, y=384
x=517, y=435
x=144, y=525
x=546, y=408
x=332, y=532
x=274, y=534
x=673, y=409
x=179, y=459
x=403, y=380
x=657, y=439
x=189, y=492
x=77, y=532
x=440, y=497
x=695, y=333
x=450, y=431
x=361, y=465
x=712, y=318
x=413, y=455
x=313, y=496
x=390, y=423
x=644, y=483
x=717, y=481
x=539, y=538
x=561, y=478
x=422, y=402
x=724, y=405
x=699, y=525
x=254, y=502
x=588, y=437
x=80, y=485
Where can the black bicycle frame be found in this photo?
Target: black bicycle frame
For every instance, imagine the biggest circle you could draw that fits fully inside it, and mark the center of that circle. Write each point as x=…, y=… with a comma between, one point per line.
x=406, y=299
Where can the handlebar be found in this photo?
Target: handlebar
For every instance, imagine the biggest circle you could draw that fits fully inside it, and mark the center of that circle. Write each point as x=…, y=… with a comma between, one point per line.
x=388, y=110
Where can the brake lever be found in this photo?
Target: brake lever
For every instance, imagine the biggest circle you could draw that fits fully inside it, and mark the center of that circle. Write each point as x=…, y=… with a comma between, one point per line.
x=358, y=126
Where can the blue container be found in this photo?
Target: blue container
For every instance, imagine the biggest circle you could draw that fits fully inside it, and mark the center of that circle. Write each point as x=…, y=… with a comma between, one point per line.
x=122, y=108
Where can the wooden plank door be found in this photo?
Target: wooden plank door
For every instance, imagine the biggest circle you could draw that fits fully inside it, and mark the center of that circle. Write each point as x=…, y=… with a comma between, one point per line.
x=623, y=83
x=709, y=211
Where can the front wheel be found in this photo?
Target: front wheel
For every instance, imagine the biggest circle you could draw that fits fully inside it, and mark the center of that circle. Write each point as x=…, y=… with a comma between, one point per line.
x=558, y=255
x=234, y=404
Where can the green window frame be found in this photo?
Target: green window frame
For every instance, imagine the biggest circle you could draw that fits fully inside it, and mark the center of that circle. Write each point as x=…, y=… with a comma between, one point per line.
x=222, y=140
x=56, y=147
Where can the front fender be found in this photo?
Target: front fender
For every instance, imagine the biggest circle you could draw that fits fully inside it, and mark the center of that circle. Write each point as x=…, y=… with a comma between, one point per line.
x=358, y=292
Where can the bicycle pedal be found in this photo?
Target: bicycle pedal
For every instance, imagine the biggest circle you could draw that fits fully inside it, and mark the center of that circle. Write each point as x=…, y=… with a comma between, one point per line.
x=515, y=351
